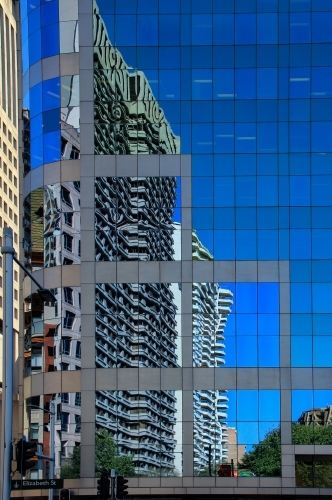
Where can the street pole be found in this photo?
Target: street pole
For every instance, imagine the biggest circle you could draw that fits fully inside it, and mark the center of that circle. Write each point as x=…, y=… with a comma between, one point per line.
x=7, y=251
x=52, y=445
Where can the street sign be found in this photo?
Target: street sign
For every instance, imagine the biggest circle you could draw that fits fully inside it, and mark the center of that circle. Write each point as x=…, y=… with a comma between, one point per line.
x=37, y=484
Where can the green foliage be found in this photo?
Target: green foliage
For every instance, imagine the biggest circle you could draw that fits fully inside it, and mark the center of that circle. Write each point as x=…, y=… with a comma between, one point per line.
x=311, y=434
x=265, y=458
x=106, y=458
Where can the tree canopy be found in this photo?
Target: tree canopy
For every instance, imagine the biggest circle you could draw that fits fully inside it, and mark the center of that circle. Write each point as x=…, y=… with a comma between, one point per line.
x=106, y=458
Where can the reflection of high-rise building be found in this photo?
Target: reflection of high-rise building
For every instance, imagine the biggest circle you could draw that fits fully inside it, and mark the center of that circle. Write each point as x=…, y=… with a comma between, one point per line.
x=317, y=416
x=235, y=451
x=211, y=306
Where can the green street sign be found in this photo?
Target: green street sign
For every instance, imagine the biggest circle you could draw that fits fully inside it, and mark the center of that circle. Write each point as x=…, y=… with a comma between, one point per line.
x=37, y=484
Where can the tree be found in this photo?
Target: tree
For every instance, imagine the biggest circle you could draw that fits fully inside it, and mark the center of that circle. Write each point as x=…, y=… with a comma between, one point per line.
x=106, y=458
x=265, y=458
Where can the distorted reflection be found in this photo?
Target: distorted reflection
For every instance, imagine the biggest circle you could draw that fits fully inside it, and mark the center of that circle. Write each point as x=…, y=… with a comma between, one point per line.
x=67, y=432
x=52, y=226
x=52, y=332
x=237, y=433
x=138, y=325
x=137, y=218
x=128, y=119
x=312, y=417
x=139, y=432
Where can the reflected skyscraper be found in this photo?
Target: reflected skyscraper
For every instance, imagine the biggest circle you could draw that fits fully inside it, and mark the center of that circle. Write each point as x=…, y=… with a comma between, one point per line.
x=177, y=178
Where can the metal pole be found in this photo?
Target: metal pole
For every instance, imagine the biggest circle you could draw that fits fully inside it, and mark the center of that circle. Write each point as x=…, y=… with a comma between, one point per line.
x=7, y=251
x=52, y=446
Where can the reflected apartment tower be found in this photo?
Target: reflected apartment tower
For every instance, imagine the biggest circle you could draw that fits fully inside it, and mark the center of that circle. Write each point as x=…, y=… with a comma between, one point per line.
x=9, y=194
x=135, y=323
x=211, y=306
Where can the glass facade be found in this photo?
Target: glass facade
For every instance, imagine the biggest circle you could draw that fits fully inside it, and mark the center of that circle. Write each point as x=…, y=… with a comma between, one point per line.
x=178, y=201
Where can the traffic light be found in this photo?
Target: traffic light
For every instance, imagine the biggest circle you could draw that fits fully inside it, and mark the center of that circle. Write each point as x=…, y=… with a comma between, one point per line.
x=121, y=487
x=103, y=488
x=64, y=494
x=25, y=452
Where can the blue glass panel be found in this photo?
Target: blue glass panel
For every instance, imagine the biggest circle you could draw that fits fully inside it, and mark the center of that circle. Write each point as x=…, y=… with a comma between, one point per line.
x=51, y=121
x=267, y=218
x=245, y=164
x=202, y=218
x=245, y=83
x=245, y=111
x=267, y=190
x=267, y=28
x=299, y=82
x=223, y=29
x=151, y=6
x=245, y=56
x=267, y=244
x=320, y=137
x=224, y=218
x=34, y=20
x=223, y=191
x=245, y=29
x=223, y=56
x=223, y=83
x=224, y=137
x=245, y=135
x=246, y=324
x=267, y=164
x=300, y=401
x=202, y=84
x=127, y=7
x=51, y=94
x=321, y=297
x=246, y=218
x=300, y=27
x=299, y=139
x=321, y=54
x=168, y=6
x=301, y=324
x=223, y=5
x=301, y=297
x=224, y=249
x=36, y=152
x=49, y=13
x=198, y=6
x=300, y=244
x=321, y=27
x=51, y=143
x=36, y=126
x=267, y=110
x=299, y=190
x=301, y=354
x=322, y=324
x=169, y=30
x=267, y=137
x=201, y=29
x=267, y=83
x=35, y=50
x=268, y=297
x=246, y=244
x=223, y=111
x=50, y=40
x=147, y=30
x=223, y=164
x=322, y=348
x=322, y=243
x=245, y=191
x=202, y=165
x=299, y=110
x=268, y=324
x=267, y=6
x=245, y=298
x=268, y=351
x=36, y=100
x=247, y=398
x=201, y=56
x=169, y=84
x=202, y=138
x=322, y=271
x=203, y=191
x=125, y=31
x=267, y=56
x=300, y=218
x=300, y=55
x=245, y=345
